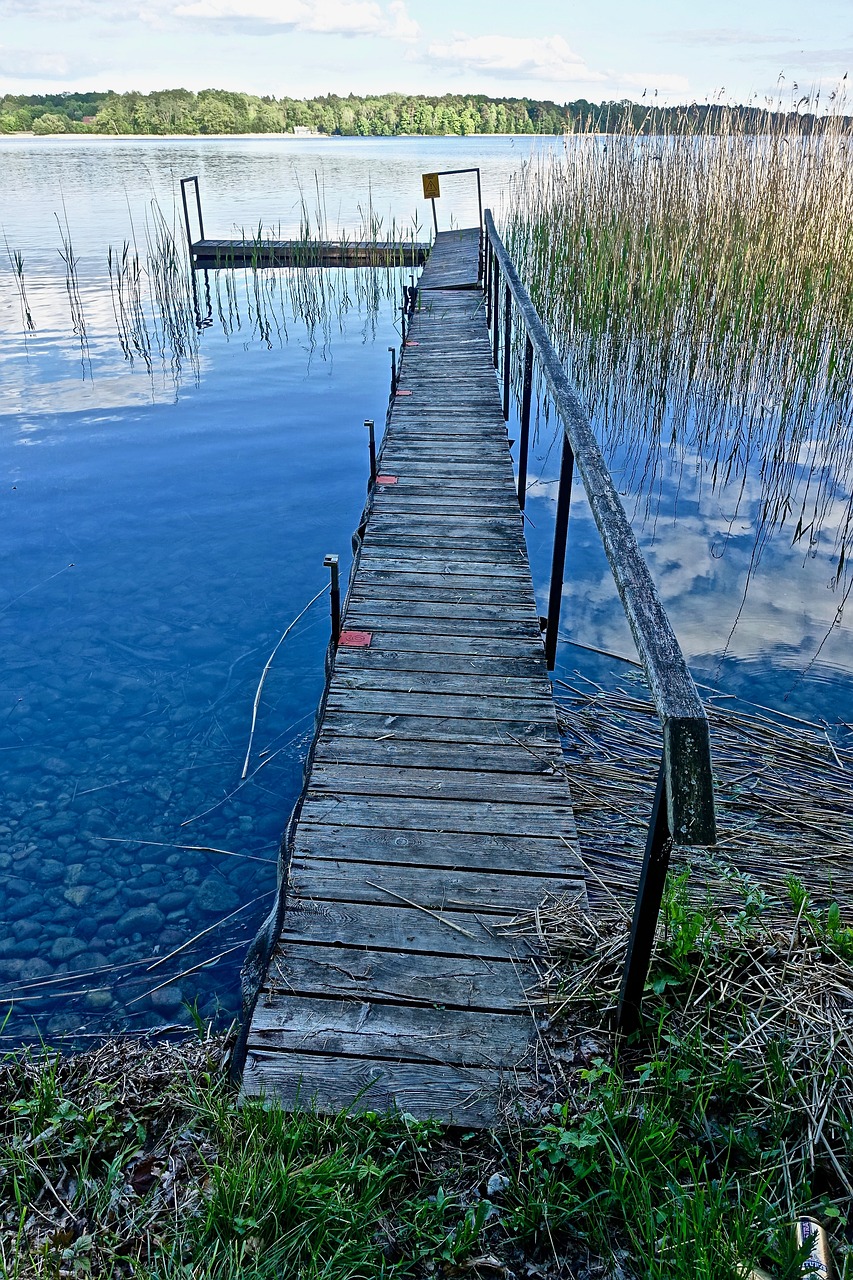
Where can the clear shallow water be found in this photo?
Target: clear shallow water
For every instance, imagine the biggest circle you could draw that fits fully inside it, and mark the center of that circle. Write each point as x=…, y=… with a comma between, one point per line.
x=163, y=523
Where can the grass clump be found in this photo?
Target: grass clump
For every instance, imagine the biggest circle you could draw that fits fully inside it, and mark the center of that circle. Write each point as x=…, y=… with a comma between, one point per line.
x=686, y=1152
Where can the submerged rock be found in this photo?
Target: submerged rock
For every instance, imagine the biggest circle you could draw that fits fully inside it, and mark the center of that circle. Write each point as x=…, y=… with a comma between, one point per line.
x=215, y=895
x=140, y=920
x=66, y=948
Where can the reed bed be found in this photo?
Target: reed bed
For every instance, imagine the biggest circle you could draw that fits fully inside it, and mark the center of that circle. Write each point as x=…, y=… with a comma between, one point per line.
x=782, y=793
x=162, y=306
x=700, y=288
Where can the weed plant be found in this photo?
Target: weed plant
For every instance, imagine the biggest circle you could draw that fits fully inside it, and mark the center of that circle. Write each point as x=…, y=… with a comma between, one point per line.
x=699, y=285
x=682, y=1154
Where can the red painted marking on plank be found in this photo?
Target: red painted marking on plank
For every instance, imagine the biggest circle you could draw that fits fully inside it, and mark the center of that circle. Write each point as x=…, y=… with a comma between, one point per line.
x=355, y=639
x=412, y=344
x=403, y=393
x=386, y=479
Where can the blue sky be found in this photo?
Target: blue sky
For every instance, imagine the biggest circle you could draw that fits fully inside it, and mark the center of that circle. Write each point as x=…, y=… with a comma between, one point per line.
x=681, y=51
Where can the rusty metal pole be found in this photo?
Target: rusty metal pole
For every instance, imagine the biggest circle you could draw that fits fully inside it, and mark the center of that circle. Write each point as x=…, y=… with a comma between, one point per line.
x=524, y=439
x=507, y=348
x=331, y=563
x=646, y=909
x=496, y=281
x=558, y=562
x=371, y=444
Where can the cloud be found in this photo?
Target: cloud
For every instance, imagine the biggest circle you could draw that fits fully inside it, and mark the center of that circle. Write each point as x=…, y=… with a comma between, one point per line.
x=324, y=17
x=23, y=64
x=516, y=57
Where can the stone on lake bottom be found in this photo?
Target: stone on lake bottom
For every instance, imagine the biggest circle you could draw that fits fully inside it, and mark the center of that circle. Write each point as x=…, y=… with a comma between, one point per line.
x=66, y=948
x=140, y=920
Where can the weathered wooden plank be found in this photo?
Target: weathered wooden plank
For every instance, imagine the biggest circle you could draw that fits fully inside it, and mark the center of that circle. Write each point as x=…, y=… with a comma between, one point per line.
x=468, y=564
x=394, y=927
x=449, y=599
x=536, y=733
x=440, y=620
x=388, y=977
x=476, y=816
x=399, y=643
x=435, y=888
x=521, y=663
x=524, y=685
x=461, y=851
x=496, y=757
x=472, y=531
x=348, y=1028
x=396, y=702
x=458, y=1095
x=410, y=782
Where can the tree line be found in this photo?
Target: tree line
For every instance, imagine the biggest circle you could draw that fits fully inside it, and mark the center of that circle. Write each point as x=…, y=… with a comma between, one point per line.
x=217, y=111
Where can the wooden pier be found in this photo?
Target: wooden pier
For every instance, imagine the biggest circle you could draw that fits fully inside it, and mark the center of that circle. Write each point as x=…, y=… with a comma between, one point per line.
x=258, y=253
x=436, y=812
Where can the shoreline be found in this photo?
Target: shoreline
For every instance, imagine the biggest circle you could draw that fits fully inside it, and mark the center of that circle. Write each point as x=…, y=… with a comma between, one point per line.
x=293, y=137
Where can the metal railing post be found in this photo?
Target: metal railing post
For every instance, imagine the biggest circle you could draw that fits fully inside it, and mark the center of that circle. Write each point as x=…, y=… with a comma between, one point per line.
x=558, y=561
x=496, y=281
x=646, y=909
x=331, y=563
x=524, y=436
x=487, y=284
x=393, y=370
x=371, y=444
x=507, y=348
x=198, y=209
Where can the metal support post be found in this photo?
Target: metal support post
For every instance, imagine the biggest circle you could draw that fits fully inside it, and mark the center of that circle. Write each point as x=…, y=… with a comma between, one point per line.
x=331, y=563
x=646, y=909
x=496, y=281
x=371, y=438
x=393, y=370
x=558, y=562
x=507, y=348
x=487, y=284
x=524, y=439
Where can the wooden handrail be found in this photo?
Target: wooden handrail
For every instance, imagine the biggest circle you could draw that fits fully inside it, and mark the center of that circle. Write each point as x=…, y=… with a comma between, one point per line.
x=686, y=744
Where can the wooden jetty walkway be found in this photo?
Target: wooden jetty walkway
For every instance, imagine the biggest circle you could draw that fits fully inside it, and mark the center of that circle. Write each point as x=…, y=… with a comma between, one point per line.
x=258, y=253
x=436, y=808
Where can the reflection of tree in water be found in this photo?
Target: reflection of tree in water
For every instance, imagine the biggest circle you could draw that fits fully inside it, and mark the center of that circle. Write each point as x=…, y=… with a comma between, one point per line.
x=700, y=290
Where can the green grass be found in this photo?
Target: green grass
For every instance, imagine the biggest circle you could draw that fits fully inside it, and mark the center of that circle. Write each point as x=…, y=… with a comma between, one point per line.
x=683, y=1154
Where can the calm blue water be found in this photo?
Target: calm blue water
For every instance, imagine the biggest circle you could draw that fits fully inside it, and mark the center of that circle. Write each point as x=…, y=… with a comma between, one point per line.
x=164, y=521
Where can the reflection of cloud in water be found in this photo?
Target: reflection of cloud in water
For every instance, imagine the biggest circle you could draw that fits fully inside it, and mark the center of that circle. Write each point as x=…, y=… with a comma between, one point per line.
x=702, y=563
x=73, y=395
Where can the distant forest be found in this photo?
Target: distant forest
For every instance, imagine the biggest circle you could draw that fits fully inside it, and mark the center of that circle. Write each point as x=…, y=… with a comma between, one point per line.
x=385, y=115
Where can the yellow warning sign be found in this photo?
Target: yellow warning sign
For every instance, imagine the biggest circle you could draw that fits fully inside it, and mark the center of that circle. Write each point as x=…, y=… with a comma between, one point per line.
x=431, y=187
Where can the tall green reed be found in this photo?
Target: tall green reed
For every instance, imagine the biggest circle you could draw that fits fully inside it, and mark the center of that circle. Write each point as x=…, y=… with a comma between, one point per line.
x=699, y=285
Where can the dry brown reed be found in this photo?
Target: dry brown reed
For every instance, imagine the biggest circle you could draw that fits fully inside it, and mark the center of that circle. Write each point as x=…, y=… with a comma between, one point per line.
x=783, y=793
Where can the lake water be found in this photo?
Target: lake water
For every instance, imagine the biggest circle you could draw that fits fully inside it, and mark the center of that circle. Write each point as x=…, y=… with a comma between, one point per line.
x=166, y=512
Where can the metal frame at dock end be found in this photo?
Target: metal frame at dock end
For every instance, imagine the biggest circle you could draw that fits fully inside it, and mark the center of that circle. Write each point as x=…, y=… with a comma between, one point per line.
x=683, y=810
x=446, y=173
x=185, y=182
